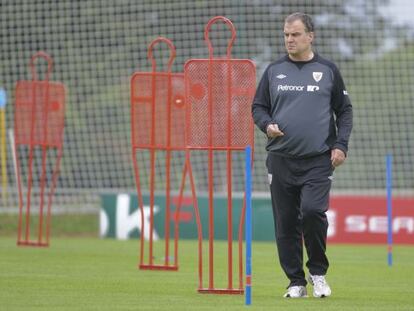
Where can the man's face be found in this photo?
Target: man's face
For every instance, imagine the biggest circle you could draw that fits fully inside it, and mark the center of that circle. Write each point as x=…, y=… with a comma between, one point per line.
x=297, y=40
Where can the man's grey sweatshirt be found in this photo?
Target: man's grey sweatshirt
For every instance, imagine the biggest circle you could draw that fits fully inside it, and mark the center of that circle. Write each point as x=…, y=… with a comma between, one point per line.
x=310, y=104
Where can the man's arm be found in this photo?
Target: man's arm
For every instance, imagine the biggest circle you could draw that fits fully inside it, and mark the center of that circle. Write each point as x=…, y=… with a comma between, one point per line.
x=261, y=107
x=342, y=107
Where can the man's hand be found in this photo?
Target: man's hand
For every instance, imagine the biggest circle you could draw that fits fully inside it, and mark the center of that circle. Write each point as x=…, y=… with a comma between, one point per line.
x=273, y=131
x=337, y=157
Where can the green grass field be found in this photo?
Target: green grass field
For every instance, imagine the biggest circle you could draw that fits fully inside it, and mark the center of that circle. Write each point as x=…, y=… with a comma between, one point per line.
x=91, y=274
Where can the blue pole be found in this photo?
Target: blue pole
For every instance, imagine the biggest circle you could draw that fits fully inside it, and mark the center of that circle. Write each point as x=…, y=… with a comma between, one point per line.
x=389, y=205
x=3, y=98
x=248, y=224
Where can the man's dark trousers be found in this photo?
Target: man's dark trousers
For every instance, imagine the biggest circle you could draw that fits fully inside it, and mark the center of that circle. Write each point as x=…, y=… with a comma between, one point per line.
x=300, y=198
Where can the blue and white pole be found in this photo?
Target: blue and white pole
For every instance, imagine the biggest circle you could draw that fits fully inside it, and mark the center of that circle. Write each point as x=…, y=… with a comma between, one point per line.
x=389, y=205
x=248, y=225
x=3, y=154
x=3, y=98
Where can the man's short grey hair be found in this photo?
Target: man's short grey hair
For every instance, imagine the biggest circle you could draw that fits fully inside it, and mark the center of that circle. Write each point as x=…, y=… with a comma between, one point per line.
x=305, y=18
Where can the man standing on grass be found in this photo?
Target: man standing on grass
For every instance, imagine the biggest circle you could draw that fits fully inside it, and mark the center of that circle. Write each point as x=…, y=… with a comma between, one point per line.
x=302, y=105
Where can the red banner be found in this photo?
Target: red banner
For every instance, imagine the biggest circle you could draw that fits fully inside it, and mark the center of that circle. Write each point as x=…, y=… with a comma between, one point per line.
x=363, y=219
